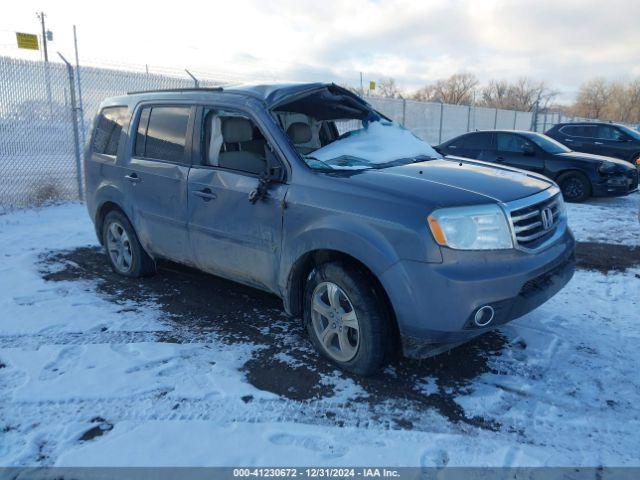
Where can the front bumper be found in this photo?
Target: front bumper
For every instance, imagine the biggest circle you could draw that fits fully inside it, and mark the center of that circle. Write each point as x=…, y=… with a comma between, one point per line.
x=616, y=185
x=435, y=303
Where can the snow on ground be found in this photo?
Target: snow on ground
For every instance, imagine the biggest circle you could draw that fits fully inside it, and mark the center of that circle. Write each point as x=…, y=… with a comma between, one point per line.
x=607, y=220
x=187, y=369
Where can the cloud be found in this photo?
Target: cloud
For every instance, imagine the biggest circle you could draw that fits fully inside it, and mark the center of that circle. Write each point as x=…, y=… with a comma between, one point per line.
x=416, y=42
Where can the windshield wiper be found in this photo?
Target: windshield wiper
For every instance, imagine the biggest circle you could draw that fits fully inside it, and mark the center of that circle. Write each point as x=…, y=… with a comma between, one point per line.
x=404, y=161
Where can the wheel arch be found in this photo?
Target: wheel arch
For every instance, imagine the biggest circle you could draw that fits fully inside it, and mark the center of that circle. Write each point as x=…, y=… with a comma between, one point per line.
x=299, y=273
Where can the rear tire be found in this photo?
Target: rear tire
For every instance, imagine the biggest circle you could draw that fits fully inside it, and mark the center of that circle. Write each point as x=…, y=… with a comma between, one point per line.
x=126, y=255
x=575, y=187
x=345, y=318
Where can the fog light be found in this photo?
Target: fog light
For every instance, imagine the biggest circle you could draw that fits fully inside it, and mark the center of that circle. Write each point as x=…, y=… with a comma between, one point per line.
x=484, y=316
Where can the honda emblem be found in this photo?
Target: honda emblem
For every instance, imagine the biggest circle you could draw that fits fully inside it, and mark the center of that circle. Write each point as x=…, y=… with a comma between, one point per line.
x=546, y=215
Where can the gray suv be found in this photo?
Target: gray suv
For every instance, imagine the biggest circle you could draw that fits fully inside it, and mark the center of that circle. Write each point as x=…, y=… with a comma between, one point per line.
x=364, y=231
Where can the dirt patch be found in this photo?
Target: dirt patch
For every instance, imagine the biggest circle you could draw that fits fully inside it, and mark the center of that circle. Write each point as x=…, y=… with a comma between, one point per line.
x=202, y=307
x=100, y=429
x=606, y=257
x=294, y=382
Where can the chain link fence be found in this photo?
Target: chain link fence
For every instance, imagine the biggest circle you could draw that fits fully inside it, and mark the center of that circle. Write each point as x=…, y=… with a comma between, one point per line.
x=38, y=147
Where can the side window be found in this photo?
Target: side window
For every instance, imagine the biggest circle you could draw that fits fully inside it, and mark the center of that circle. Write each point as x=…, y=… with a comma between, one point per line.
x=233, y=141
x=608, y=132
x=106, y=135
x=481, y=141
x=162, y=133
x=475, y=141
x=511, y=143
x=579, y=131
x=569, y=130
x=465, y=141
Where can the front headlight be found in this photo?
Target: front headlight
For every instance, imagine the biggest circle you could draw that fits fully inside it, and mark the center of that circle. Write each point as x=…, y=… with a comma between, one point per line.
x=481, y=227
x=606, y=168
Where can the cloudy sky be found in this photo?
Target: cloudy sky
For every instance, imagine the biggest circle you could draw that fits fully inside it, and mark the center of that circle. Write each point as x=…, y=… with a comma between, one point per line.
x=562, y=41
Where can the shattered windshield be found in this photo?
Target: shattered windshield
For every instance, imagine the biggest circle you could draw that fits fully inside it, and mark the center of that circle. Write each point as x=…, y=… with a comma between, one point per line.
x=375, y=144
x=333, y=129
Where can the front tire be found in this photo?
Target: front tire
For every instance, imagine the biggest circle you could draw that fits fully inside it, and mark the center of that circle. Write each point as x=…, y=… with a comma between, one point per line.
x=575, y=187
x=345, y=318
x=126, y=255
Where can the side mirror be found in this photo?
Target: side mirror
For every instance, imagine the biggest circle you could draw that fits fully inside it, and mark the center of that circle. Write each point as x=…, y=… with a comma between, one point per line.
x=276, y=173
x=275, y=170
x=528, y=150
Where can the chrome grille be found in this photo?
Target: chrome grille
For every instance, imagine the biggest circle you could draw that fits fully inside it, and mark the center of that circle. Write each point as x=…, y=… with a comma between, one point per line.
x=534, y=224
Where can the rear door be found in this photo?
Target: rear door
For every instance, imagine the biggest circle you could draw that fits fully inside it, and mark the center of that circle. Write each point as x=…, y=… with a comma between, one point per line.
x=231, y=236
x=517, y=151
x=157, y=177
x=476, y=145
x=580, y=138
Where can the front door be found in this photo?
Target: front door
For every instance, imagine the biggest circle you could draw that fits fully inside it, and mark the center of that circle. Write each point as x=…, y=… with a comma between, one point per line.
x=231, y=236
x=516, y=151
x=157, y=176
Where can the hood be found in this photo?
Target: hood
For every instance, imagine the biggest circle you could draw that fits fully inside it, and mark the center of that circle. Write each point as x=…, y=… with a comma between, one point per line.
x=589, y=157
x=454, y=181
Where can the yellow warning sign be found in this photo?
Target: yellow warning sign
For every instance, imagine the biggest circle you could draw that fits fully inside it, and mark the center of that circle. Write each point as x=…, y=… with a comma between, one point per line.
x=27, y=40
x=372, y=85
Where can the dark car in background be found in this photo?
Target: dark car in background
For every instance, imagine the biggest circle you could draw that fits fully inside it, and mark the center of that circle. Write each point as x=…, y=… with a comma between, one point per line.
x=579, y=175
x=608, y=139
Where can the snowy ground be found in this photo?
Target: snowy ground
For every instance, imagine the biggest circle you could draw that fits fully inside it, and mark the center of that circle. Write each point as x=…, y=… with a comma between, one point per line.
x=188, y=369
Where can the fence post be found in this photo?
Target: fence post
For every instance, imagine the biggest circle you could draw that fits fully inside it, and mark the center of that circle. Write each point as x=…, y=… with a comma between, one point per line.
x=440, y=129
x=404, y=111
x=515, y=119
x=534, y=117
x=74, y=118
x=495, y=120
x=469, y=119
x=195, y=80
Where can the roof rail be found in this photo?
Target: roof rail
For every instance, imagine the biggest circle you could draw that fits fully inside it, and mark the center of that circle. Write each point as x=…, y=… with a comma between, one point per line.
x=191, y=89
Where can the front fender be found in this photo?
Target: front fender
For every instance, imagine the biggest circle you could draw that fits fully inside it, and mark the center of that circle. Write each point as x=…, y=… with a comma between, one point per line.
x=353, y=238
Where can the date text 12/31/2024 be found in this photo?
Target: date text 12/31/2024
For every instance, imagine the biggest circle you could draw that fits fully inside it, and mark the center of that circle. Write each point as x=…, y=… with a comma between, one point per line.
x=316, y=472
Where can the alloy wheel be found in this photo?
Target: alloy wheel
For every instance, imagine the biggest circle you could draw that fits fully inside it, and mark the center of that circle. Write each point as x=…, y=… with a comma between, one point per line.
x=335, y=321
x=573, y=188
x=119, y=247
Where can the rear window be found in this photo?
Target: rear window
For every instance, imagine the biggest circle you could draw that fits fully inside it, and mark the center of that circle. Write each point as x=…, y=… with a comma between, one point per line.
x=162, y=133
x=106, y=135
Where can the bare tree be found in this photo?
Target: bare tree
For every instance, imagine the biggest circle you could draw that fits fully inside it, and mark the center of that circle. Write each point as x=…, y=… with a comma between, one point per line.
x=458, y=89
x=519, y=95
x=624, y=102
x=387, y=88
x=593, y=98
x=496, y=94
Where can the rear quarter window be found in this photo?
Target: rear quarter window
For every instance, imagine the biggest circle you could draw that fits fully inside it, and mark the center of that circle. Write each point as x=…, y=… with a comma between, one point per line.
x=106, y=135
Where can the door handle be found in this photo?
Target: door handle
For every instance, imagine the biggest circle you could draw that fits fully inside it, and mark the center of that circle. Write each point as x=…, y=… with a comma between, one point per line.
x=597, y=143
x=499, y=159
x=133, y=178
x=205, y=194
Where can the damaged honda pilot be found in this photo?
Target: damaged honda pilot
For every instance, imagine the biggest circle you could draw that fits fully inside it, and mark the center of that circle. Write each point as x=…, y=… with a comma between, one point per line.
x=375, y=240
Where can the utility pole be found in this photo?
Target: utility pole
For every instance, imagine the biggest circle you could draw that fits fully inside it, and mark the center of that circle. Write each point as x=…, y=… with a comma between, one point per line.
x=41, y=16
x=81, y=106
x=47, y=79
x=361, y=86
